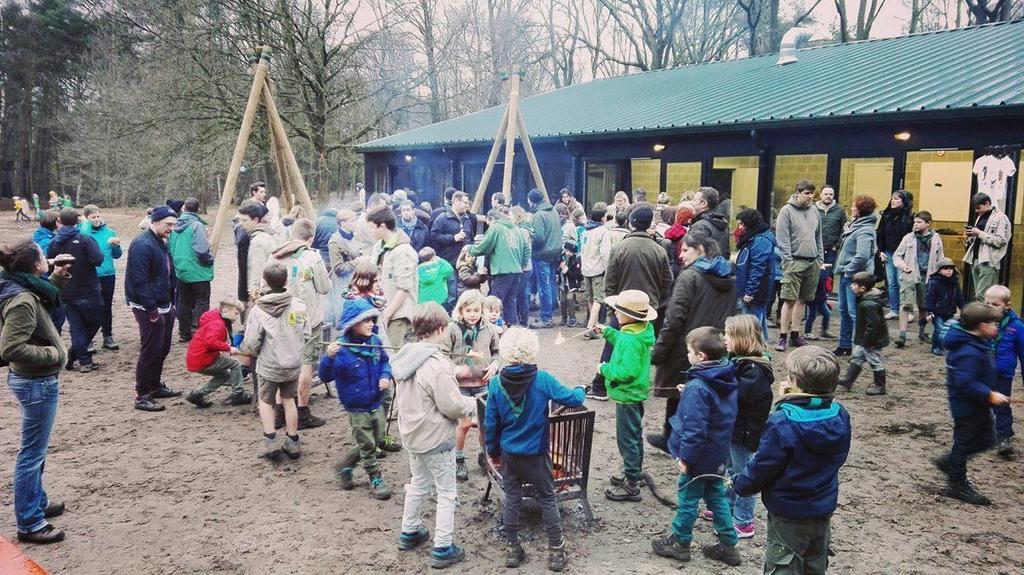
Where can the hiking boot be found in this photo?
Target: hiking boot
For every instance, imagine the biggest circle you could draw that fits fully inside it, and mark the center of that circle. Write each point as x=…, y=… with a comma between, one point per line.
x=797, y=341
x=53, y=510
x=146, y=403
x=198, y=399
x=901, y=341
x=344, y=475
x=379, y=453
x=272, y=447
x=242, y=398
x=965, y=492
x=164, y=392
x=442, y=557
x=292, y=448
x=109, y=343
x=88, y=367
x=307, y=420
x=389, y=444
x=557, y=557
x=461, y=472
x=625, y=491
x=891, y=315
x=841, y=351
x=410, y=541
x=1005, y=448
x=596, y=395
x=826, y=334
x=851, y=375
x=278, y=416
x=720, y=552
x=671, y=547
x=44, y=536
x=378, y=488
x=879, y=387
x=657, y=440
x=781, y=345
x=942, y=464
x=514, y=555
x=744, y=530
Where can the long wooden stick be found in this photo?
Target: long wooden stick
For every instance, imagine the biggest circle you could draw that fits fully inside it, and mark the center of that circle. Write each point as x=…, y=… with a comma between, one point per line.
x=298, y=185
x=228, y=194
x=287, y=200
x=485, y=178
x=530, y=157
x=510, y=135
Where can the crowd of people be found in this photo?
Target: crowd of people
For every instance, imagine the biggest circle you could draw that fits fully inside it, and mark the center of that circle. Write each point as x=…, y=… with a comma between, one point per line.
x=413, y=313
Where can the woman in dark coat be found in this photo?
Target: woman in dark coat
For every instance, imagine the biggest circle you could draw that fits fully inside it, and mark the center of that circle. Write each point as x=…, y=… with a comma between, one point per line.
x=704, y=294
x=897, y=221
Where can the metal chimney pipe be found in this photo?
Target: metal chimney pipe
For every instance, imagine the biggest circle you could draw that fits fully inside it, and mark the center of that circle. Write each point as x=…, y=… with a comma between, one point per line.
x=790, y=40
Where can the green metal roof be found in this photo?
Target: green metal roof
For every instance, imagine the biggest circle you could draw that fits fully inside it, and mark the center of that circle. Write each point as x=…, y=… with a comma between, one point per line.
x=977, y=67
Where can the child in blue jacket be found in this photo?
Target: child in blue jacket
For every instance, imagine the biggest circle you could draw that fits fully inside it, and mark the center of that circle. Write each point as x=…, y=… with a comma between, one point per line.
x=796, y=467
x=361, y=375
x=970, y=377
x=701, y=432
x=1009, y=352
x=517, y=441
x=942, y=298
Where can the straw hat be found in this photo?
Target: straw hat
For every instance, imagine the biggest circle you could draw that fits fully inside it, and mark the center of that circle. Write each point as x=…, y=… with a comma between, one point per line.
x=633, y=303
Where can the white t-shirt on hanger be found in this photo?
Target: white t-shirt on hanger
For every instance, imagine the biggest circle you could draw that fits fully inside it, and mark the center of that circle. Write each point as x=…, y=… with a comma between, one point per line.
x=992, y=174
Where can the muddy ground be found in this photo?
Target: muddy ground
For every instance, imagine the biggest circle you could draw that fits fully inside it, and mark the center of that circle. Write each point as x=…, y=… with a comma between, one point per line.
x=184, y=492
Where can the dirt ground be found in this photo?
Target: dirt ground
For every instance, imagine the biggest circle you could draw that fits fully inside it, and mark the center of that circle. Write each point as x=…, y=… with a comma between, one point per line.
x=184, y=492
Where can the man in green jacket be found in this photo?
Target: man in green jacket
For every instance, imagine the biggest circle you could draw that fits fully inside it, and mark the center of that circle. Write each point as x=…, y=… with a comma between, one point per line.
x=547, y=251
x=507, y=253
x=193, y=265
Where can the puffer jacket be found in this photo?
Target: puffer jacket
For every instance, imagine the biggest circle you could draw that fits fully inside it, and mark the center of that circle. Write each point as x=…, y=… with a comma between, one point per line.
x=29, y=341
x=857, y=246
x=970, y=372
x=427, y=398
x=906, y=253
x=207, y=342
x=356, y=373
x=516, y=415
x=755, y=378
x=704, y=295
x=796, y=467
x=755, y=266
x=149, y=277
x=703, y=423
x=275, y=334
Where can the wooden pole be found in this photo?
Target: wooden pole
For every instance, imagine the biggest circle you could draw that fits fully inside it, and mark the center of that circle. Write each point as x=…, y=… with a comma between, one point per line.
x=510, y=136
x=287, y=200
x=228, y=194
x=530, y=157
x=298, y=185
x=485, y=178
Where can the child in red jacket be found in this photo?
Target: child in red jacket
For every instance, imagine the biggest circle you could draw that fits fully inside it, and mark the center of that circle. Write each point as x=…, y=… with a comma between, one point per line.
x=210, y=353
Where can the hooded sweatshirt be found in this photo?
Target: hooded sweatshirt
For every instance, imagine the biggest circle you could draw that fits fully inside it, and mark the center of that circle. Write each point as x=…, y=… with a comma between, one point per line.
x=703, y=423
x=275, y=333
x=857, y=246
x=102, y=236
x=436, y=280
x=42, y=238
x=796, y=467
x=755, y=378
x=516, y=416
x=505, y=248
x=427, y=398
x=307, y=277
x=628, y=371
x=190, y=248
x=970, y=372
x=798, y=232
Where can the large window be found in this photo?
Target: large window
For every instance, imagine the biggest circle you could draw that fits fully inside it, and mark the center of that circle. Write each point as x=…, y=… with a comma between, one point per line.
x=941, y=184
x=646, y=174
x=681, y=177
x=867, y=177
x=602, y=182
x=791, y=169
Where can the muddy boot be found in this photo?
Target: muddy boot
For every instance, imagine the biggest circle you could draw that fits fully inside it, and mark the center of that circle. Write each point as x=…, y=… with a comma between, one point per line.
x=879, y=387
x=198, y=399
x=292, y=447
x=852, y=373
x=389, y=444
x=557, y=557
x=240, y=398
x=671, y=547
x=461, y=472
x=514, y=555
x=720, y=552
x=378, y=488
x=625, y=491
x=966, y=492
x=278, y=416
x=307, y=420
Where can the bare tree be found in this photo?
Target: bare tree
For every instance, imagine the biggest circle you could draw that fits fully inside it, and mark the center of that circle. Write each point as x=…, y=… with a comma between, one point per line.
x=986, y=11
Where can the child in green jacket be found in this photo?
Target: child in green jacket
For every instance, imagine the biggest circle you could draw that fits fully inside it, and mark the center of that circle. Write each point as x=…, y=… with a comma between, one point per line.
x=628, y=377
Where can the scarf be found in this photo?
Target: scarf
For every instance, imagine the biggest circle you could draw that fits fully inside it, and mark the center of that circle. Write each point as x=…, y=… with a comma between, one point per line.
x=370, y=354
x=243, y=267
x=469, y=335
x=408, y=227
x=46, y=291
x=346, y=235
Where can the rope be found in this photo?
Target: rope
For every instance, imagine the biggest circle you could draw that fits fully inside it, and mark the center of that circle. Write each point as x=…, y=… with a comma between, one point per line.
x=668, y=502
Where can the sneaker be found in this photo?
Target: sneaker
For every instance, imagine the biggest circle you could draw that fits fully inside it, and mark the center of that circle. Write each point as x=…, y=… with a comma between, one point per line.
x=538, y=324
x=967, y=493
x=891, y=315
x=572, y=322
x=344, y=475
x=442, y=557
x=389, y=444
x=707, y=515
x=378, y=488
x=590, y=336
x=744, y=530
x=625, y=491
x=292, y=448
x=797, y=342
x=557, y=558
x=164, y=392
x=720, y=552
x=198, y=399
x=781, y=345
x=410, y=541
x=1005, y=448
x=44, y=536
x=88, y=367
x=110, y=344
x=671, y=547
x=596, y=396
x=91, y=349
x=147, y=404
x=810, y=336
x=461, y=472
x=657, y=440
x=272, y=448
x=514, y=555
x=380, y=453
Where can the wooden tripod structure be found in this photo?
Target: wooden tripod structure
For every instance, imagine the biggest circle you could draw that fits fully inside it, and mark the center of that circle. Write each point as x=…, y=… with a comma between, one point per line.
x=292, y=185
x=511, y=125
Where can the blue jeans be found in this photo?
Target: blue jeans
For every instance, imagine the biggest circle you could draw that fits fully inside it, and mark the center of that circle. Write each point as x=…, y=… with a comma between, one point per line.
x=758, y=310
x=847, y=312
x=547, y=287
x=815, y=310
x=85, y=316
x=506, y=288
x=38, y=399
x=941, y=327
x=523, y=301
x=712, y=491
x=742, y=507
x=1003, y=413
x=892, y=283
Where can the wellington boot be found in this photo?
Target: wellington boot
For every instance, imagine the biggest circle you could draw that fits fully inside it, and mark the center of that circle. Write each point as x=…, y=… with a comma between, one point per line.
x=852, y=373
x=879, y=387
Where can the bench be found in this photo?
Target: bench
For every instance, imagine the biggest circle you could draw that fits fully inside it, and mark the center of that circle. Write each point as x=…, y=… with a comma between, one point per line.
x=571, y=432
